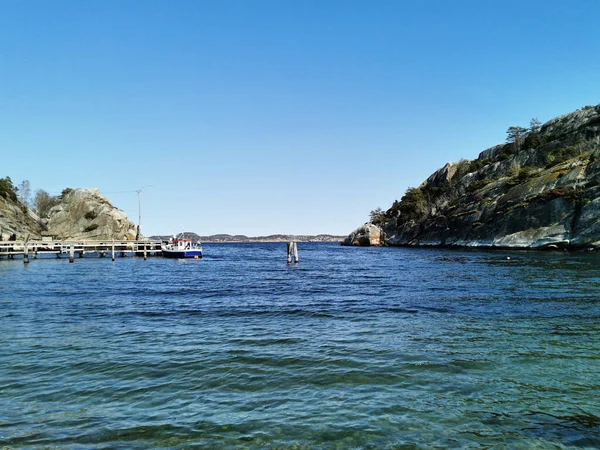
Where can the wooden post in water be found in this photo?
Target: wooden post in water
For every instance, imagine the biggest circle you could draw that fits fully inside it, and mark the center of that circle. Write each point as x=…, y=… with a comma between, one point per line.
x=113, y=253
x=145, y=251
x=26, y=251
x=292, y=250
x=35, y=250
x=72, y=253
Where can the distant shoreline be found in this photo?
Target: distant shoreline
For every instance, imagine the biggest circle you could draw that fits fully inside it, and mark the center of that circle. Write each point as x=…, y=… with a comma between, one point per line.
x=227, y=238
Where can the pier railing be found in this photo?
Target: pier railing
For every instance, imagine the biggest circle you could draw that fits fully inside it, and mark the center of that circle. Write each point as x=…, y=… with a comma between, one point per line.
x=101, y=248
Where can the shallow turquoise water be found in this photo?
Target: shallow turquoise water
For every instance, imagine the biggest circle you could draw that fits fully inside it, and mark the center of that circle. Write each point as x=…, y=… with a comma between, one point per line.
x=353, y=348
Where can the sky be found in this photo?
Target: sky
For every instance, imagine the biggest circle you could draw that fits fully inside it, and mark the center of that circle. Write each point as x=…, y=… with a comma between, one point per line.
x=276, y=116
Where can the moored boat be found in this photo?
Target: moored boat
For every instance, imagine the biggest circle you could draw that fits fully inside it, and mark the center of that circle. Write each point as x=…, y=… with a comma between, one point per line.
x=181, y=248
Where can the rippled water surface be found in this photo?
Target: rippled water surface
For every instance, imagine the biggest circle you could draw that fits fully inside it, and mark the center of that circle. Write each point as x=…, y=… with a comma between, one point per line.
x=373, y=348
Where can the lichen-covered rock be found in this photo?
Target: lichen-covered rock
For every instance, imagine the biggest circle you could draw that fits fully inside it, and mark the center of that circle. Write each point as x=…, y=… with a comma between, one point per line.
x=365, y=235
x=86, y=214
x=542, y=193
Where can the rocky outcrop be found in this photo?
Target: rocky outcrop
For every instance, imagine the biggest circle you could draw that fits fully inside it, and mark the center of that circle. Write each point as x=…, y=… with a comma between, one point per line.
x=86, y=214
x=543, y=191
x=365, y=235
x=16, y=221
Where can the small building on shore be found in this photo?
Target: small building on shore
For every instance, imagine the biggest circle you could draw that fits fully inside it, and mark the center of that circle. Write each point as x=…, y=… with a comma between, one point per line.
x=48, y=236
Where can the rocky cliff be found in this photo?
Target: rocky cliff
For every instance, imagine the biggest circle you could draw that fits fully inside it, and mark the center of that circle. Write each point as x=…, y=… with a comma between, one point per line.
x=75, y=214
x=16, y=221
x=540, y=191
x=86, y=214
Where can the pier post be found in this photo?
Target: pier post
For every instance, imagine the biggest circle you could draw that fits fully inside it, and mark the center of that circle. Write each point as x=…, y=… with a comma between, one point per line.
x=145, y=253
x=295, y=252
x=81, y=254
x=289, y=252
x=72, y=253
x=113, y=253
x=35, y=250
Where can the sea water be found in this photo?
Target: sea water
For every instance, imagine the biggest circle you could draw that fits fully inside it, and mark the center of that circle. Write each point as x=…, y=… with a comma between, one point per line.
x=357, y=348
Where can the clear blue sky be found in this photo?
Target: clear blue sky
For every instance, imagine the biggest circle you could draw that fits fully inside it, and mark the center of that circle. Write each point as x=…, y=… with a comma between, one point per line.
x=261, y=117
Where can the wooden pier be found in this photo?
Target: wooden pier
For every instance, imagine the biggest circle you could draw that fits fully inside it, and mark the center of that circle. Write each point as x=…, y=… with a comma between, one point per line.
x=70, y=248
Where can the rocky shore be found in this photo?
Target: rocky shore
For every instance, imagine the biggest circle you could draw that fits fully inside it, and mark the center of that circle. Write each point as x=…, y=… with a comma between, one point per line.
x=542, y=190
x=75, y=214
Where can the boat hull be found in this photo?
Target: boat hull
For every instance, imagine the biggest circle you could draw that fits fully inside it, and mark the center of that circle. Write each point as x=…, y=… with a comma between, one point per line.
x=182, y=253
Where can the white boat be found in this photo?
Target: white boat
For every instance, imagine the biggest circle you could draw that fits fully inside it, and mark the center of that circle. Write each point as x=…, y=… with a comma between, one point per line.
x=180, y=247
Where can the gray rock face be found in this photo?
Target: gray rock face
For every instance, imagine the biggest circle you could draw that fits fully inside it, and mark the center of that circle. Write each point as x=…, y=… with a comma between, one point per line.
x=86, y=214
x=16, y=219
x=543, y=193
x=365, y=235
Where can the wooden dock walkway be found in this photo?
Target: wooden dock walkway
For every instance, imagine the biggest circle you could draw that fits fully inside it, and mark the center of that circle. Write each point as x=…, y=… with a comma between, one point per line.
x=25, y=249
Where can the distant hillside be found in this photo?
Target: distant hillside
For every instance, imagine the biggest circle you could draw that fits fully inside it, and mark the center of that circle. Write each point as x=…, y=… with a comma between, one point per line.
x=243, y=238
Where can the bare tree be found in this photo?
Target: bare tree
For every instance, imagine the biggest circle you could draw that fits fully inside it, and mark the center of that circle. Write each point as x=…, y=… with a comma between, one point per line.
x=24, y=193
x=44, y=202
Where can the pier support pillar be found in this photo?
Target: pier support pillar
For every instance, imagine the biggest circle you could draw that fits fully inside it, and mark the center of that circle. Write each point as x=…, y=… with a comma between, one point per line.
x=113, y=253
x=72, y=254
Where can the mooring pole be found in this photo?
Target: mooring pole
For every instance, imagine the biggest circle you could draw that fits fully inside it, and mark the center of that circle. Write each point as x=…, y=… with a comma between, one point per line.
x=26, y=250
x=145, y=254
x=72, y=253
x=113, y=253
x=292, y=251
